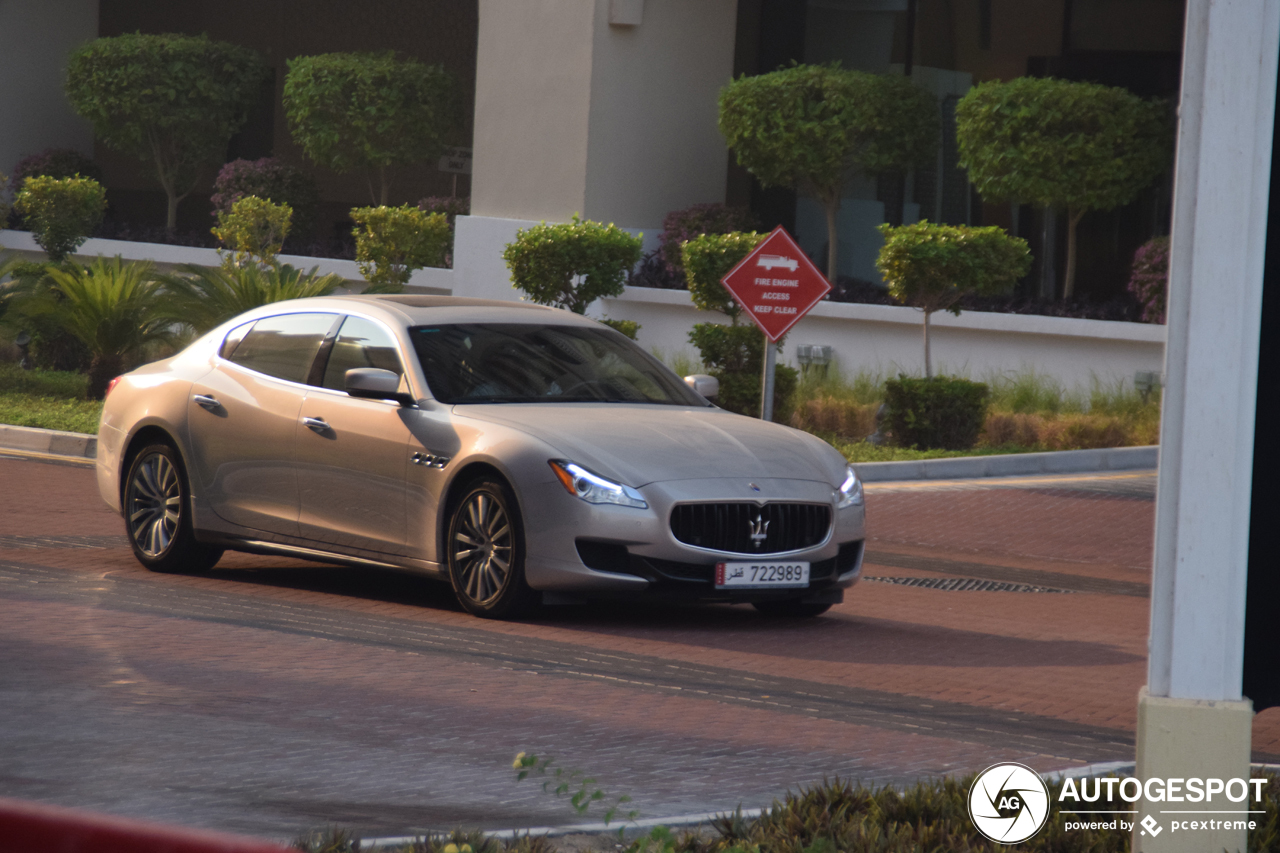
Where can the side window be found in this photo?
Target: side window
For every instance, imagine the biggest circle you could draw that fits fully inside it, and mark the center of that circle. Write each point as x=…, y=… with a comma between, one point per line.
x=283, y=346
x=360, y=343
x=233, y=339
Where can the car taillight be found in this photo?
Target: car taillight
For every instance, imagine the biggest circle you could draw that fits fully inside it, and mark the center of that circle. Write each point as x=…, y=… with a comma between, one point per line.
x=110, y=385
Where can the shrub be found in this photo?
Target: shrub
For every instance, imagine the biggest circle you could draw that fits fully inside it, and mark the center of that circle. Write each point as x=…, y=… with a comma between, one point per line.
x=941, y=412
x=630, y=328
x=269, y=179
x=680, y=226
x=451, y=206
x=254, y=230
x=1149, y=279
x=843, y=418
x=53, y=163
x=652, y=271
x=1061, y=144
x=708, y=259
x=114, y=308
x=392, y=242
x=812, y=127
x=61, y=212
x=173, y=99
x=369, y=112
x=203, y=297
x=571, y=264
x=735, y=356
x=931, y=267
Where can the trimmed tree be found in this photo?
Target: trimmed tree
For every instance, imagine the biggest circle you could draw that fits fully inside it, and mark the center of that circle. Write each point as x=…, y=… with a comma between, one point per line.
x=369, y=112
x=812, y=127
x=930, y=267
x=571, y=264
x=172, y=99
x=1060, y=144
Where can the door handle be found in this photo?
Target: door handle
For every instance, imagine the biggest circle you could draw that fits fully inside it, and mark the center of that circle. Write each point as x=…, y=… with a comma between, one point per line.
x=207, y=402
x=316, y=424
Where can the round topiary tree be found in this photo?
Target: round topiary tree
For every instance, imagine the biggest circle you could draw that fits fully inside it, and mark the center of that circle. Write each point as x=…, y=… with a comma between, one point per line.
x=1061, y=144
x=173, y=99
x=370, y=112
x=930, y=267
x=571, y=264
x=813, y=126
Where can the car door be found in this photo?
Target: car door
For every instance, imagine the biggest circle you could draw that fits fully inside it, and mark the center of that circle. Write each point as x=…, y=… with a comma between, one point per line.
x=352, y=453
x=243, y=420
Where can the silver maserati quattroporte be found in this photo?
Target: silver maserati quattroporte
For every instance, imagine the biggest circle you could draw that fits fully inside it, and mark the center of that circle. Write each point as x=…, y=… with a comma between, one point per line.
x=519, y=453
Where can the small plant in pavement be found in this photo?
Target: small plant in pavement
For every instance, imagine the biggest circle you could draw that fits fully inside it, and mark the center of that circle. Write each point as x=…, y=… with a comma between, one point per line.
x=581, y=789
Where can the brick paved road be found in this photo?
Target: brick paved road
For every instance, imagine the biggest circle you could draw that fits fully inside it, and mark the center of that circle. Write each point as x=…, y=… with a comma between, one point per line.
x=272, y=695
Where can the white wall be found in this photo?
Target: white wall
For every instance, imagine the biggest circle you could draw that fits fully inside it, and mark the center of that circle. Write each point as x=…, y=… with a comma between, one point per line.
x=877, y=338
x=35, y=39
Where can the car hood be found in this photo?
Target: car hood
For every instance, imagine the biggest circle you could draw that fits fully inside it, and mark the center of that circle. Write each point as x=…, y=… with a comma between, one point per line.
x=640, y=444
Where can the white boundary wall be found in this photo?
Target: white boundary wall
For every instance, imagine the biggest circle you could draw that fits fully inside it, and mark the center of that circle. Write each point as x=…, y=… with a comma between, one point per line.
x=878, y=339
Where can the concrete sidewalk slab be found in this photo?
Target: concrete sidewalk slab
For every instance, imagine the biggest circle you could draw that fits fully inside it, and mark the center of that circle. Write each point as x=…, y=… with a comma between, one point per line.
x=50, y=441
x=1012, y=464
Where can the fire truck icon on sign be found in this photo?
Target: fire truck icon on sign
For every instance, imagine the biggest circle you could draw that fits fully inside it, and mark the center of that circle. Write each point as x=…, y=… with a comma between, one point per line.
x=771, y=262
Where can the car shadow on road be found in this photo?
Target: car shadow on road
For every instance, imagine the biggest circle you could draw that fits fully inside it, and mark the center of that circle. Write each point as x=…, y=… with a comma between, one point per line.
x=722, y=628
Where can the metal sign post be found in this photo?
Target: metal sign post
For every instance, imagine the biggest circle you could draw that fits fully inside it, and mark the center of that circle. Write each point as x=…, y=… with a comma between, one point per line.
x=776, y=285
x=766, y=385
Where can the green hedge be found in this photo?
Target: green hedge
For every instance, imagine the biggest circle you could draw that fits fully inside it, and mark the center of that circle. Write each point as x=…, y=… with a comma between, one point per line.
x=941, y=412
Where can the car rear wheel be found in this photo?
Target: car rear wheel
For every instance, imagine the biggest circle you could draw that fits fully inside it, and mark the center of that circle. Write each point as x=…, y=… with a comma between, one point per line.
x=157, y=514
x=791, y=608
x=486, y=552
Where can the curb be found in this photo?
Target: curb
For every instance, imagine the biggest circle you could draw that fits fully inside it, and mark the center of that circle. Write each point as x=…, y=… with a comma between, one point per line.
x=1012, y=464
x=51, y=441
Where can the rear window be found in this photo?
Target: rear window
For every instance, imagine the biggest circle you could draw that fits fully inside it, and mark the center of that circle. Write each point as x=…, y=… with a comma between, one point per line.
x=283, y=346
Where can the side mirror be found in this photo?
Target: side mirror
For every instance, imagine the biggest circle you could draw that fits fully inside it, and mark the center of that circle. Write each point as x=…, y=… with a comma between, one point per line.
x=707, y=386
x=374, y=383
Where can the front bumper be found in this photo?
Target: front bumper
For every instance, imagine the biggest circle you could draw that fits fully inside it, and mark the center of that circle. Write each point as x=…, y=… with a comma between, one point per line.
x=603, y=550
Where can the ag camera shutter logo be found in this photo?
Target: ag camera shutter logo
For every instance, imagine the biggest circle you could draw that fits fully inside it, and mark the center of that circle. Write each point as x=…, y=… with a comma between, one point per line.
x=1008, y=803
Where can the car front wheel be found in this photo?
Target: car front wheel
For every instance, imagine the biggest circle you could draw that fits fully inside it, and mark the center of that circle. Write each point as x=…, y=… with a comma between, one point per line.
x=486, y=552
x=157, y=514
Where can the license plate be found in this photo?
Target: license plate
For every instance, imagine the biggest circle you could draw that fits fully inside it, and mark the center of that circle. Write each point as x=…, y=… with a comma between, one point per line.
x=761, y=575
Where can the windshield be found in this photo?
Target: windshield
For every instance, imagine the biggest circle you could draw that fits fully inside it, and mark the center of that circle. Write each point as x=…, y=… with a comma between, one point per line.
x=523, y=363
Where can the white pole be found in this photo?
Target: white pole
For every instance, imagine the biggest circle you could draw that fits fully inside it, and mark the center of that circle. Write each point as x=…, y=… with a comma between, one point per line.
x=1192, y=720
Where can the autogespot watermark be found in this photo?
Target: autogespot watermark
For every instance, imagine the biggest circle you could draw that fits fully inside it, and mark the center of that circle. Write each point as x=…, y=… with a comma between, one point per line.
x=1010, y=803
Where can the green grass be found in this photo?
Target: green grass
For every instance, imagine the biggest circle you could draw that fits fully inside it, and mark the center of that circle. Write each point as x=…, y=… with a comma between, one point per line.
x=861, y=451
x=47, y=399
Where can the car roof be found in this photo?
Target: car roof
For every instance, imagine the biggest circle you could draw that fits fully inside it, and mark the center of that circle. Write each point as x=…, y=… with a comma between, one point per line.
x=420, y=309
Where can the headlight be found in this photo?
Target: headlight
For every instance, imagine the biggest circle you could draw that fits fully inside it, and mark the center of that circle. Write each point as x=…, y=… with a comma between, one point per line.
x=850, y=490
x=593, y=488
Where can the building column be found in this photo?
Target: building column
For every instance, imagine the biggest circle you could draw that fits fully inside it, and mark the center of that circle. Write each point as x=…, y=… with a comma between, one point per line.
x=1192, y=719
x=603, y=108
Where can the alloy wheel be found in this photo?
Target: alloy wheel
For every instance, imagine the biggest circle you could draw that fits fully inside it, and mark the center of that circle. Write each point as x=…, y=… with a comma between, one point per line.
x=482, y=547
x=155, y=505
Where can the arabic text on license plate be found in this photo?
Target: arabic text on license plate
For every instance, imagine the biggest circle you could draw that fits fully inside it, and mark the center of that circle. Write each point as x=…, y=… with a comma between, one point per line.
x=761, y=575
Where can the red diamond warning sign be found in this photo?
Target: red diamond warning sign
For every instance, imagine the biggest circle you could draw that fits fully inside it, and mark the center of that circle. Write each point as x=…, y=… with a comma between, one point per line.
x=776, y=284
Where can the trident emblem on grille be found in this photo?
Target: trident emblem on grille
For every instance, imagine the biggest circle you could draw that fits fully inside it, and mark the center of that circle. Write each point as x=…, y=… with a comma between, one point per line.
x=759, y=530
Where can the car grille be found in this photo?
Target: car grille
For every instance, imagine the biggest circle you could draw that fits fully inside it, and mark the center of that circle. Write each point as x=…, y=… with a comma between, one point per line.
x=748, y=528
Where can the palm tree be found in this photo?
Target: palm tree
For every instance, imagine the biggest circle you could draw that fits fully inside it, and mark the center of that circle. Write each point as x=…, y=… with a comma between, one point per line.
x=114, y=308
x=203, y=297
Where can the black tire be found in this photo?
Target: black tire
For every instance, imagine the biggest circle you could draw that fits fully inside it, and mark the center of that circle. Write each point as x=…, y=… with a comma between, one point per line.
x=791, y=608
x=157, y=514
x=485, y=552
